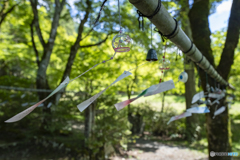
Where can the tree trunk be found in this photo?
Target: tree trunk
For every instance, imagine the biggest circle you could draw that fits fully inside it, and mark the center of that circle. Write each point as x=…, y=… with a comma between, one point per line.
x=41, y=81
x=89, y=115
x=218, y=129
x=190, y=91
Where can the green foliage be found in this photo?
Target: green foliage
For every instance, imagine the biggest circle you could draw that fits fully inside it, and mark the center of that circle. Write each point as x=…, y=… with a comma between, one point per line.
x=111, y=130
x=217, y=47
x=65, y=138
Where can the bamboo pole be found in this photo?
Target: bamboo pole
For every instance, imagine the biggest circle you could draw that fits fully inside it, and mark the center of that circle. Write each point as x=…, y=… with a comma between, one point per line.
x=166, y=25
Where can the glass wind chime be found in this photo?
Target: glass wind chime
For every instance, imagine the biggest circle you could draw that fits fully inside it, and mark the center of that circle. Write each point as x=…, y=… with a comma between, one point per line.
x=121, y=42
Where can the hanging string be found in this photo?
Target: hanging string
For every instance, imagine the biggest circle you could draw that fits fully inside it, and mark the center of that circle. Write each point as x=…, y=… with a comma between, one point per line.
x=139, y=66
x=161, y=78
x=92, y=68
x=215, y=85
x=165, y=49
x=206, y=78
x=95, y=65
x=119, y=15
x=177, y=54
x=151, y=36
x=140, y=15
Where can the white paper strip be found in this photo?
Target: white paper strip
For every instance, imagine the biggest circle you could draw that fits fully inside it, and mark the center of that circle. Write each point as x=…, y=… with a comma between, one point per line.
x=219, y=111
x=86, y=103
x=24, y=113
x=197, y=96
x=230, y=98
x=49, y=105
x=215, y=95
x=229, y=105
x=216, y=101
x=194, y=105
x=24, y=104
x=60, y=87
x=183, y=115
x=123, y=104
x=161, y=87
x=198, y=110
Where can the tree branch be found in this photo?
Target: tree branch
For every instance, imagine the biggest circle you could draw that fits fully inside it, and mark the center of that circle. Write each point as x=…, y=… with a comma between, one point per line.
x=227, y=57
x=55, y=21
x=200, y=28
x=3, y=15
x=3, y=7
x=76, y=45
x=96, y=44
x=81, y=25
x=97, y=19
x=89, y=32
x=34, y=45
x=36, y=21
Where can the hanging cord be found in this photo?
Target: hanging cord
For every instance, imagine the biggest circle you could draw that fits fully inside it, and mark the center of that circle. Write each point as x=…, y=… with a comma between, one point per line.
x=206, y=78
x=165, y=37
x=95, y=66
x=119, y=16
x=92, y=68
x=163, y=63
x=139, y=66
x=161, y=78
x=140, y=15
x=177, y=54
x=151, y=36
x=215, y=84
x=207, y=85
x=165, y=49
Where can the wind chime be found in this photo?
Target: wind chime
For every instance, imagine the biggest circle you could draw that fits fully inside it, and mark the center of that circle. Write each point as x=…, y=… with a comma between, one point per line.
x=152, y=53
x=121, y=42
x=154, y=89
x=164, y=65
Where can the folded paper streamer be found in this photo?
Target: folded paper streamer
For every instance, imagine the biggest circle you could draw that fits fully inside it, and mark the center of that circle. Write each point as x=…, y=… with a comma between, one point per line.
x=215, y=101
x=215, y=95
x=229, y=98
x=154, y=89
x=86, y=103
x=219, y=111
x=123, y=104
x=183, y=115
x=161, y=87
x=198, y=110
x=24, y=113
x=197, y=96
x=229, y=105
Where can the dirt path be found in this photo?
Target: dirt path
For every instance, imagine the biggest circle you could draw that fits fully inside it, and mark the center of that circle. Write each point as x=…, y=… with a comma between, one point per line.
x=149, y=150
